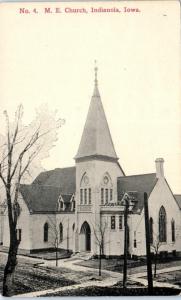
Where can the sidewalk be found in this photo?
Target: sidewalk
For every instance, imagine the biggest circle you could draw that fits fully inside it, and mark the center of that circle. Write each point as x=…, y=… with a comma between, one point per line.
x=138, y=278
x=73, y=265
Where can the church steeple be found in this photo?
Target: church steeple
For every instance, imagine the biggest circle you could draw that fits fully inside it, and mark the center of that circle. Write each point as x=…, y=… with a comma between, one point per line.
x=96, y=139
x=96, y=91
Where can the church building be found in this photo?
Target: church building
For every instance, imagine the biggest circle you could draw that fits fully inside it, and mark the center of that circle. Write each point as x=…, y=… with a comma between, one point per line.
x=84, y=205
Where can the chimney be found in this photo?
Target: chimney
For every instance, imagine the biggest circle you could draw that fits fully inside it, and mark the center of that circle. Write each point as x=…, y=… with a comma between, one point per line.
x=159, y=167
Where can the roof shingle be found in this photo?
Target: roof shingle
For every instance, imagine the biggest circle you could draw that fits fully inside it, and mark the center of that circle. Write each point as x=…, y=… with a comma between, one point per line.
x=64, y=178
x=42, y=195
x=40, y=198
x=137, y=184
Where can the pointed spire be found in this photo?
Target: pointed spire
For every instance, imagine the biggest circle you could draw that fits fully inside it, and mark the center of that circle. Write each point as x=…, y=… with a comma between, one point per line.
x=96, y=138
x=96, y=69
x=96, y=91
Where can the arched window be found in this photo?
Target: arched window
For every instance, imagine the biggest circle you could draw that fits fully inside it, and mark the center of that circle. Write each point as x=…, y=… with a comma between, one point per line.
x=151, y=230
x=46, y=232
x=173, y=230
x=85, y=190
x=162, y=225
x=61, y=232
x=73, y=227
x=106, y=195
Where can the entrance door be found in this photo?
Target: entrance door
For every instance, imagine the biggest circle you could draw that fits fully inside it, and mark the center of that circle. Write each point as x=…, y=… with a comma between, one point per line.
x=88, y=239
x=85, y=235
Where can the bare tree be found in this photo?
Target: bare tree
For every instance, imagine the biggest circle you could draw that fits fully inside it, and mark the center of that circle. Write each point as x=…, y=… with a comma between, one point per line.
x=99, y=233
x=155, y=246
x=22, y=149
x=56, y=236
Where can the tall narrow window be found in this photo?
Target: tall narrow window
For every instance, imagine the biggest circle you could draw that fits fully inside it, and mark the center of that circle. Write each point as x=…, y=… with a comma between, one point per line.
x=111, y=197
x=73, y=204
x=135, y=242
x=85, y=196
x=173, y=230
x=90, y=196
x=46, y=232
x=113, y=222
x=61, y=232
x=120, y=222
x=61, y=204
x=81, y=196
x=162, y=225
x=102, y=196
x=151, y=230
x=106, y=191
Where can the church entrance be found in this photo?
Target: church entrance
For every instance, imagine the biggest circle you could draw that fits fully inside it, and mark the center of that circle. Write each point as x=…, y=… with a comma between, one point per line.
x=85, y=237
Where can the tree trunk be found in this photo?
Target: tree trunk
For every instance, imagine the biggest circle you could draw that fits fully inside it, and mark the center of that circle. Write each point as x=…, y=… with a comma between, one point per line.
x=56, y=257
x=100, y=262
x=102, y=246
x=155, y=269
x=8, y=280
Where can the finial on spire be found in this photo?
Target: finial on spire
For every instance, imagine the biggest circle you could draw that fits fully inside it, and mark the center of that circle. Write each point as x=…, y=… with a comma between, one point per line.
x=95, y=69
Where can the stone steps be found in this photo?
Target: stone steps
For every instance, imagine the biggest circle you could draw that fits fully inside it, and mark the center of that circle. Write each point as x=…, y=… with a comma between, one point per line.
x=82, y=255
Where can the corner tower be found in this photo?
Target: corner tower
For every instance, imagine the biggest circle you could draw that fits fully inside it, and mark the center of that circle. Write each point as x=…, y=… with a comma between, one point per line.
x=96, y=139
x=97, y=169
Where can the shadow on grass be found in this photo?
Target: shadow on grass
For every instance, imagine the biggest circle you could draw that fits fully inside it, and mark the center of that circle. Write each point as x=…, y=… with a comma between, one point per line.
x=117, y=291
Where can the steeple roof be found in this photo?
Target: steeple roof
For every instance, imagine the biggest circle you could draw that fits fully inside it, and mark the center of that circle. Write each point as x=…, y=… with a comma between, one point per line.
x=96, y=138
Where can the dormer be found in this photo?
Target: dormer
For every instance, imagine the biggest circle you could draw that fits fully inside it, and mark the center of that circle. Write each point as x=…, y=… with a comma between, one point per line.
x=131, y=197
x=72, y=203
x=60, y=204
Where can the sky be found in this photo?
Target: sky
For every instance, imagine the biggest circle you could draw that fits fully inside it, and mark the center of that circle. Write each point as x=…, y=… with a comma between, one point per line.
x=49, y=58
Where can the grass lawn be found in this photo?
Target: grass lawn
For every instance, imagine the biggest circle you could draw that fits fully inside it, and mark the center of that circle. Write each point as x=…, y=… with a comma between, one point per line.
x=49, y=255
x=171, y=277
x=116, y=291
x=116, y=264
x=30, y=276
x=113, y=264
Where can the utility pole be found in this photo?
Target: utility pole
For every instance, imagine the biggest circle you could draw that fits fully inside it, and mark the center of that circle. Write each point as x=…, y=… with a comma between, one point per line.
x=148, y=254
x=125, y=241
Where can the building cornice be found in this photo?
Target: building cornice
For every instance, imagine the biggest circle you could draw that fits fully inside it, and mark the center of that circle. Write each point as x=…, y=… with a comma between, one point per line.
x=96, y=157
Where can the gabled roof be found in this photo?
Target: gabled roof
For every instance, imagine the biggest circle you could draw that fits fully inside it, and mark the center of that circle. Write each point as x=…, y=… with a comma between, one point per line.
x=137, y=184
x=40, y=198
x=64, y=178
x=178, y=200
x=42, y=195
x=96, y=138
